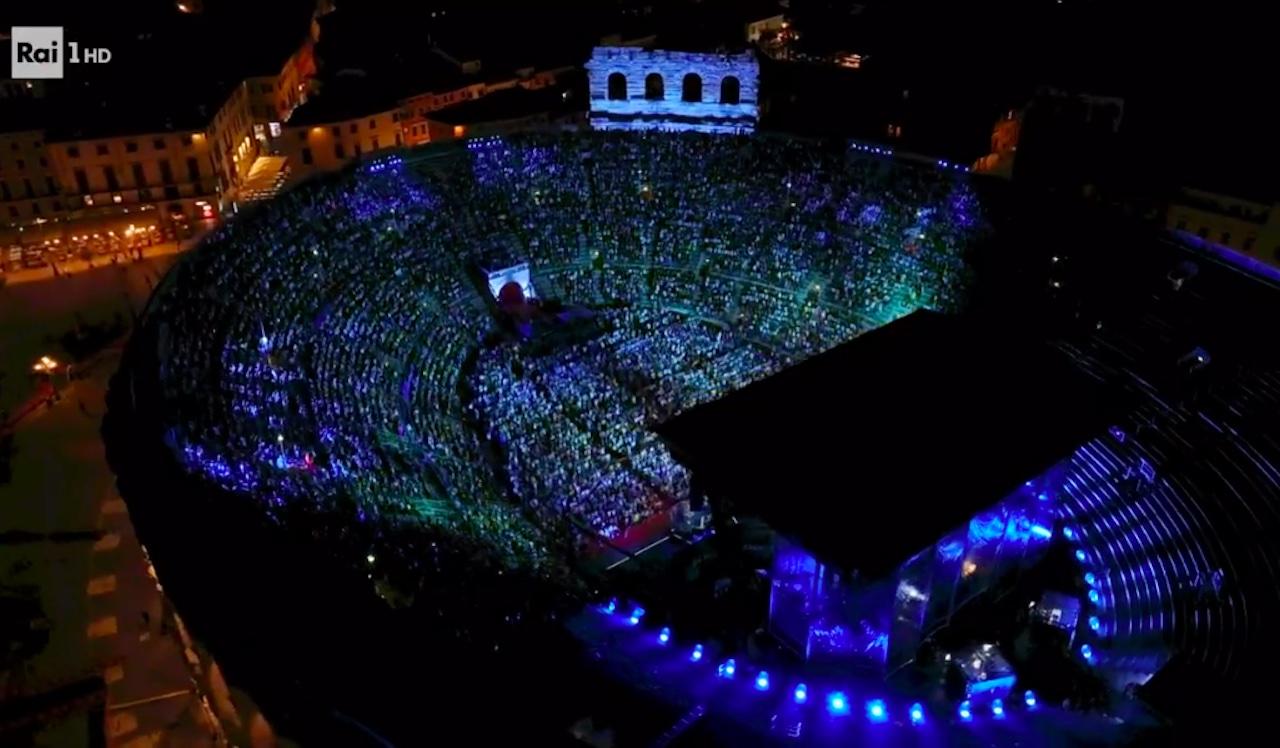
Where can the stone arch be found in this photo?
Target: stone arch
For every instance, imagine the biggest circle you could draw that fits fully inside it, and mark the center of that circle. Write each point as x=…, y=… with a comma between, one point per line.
x=655, y=88
x=617, y=87
x=730, y=90
x=691, y=88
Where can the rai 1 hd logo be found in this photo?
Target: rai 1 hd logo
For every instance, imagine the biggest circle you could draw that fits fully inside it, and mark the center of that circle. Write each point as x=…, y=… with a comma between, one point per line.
x=43, y=52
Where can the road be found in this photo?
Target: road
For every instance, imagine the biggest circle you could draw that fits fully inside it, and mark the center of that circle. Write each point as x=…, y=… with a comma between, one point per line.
x=36, y=309
x=95, y=584
x=66, y=543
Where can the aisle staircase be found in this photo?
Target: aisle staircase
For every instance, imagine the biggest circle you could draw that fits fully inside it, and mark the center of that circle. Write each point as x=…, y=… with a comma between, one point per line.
x=267, y=177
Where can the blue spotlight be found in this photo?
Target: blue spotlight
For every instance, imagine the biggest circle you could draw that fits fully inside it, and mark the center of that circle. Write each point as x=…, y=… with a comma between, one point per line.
x=729, y=668
x=1068, y=533
x=876, y=711
x=1080, y=556
x=1042, y=532
x=1094, y=597
x=837, y=704
x=1086, y=652
x=664, y=635
x=696, y=655
x=762, y=681
x=965, y=712
x=1029, y=698
x=801, y=694
x=611, y=607
x=636, y=615
x=1090, y=579
x=997, y=709
x=1094, y=623
x=917, y=714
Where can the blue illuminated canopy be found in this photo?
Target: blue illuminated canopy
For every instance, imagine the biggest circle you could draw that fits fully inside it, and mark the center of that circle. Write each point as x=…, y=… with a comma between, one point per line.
x=873, y=450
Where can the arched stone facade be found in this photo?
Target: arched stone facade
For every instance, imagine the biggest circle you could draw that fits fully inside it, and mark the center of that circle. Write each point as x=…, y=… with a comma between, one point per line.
x=707, y=92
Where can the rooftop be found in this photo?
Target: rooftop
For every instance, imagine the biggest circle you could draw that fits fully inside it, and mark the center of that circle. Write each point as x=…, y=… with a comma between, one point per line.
x=874, y=450
x=19, y=115
x=397, y=57
x=170, y=71
x=508, y=104
x=348, y=96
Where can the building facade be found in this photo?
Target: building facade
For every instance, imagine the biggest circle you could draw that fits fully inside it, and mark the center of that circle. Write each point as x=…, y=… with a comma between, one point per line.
x=1249, y=228
x=30, y=191
x=638, y=89
x=50, y=184
x=421, y=118
x=312, y=148
x=170, y=173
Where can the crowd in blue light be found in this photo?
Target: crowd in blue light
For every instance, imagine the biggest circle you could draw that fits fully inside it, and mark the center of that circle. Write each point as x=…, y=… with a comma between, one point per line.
x=312, y=349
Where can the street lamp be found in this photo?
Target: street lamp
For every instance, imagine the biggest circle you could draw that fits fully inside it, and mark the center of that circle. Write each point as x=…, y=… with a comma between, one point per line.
x=45, y=365
x=49, y=367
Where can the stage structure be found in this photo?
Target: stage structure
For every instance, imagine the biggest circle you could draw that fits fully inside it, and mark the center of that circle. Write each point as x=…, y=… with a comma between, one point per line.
x=904, y=474
x=829, y=616
x=504, y=283
x=986, y=672
x=639, y=89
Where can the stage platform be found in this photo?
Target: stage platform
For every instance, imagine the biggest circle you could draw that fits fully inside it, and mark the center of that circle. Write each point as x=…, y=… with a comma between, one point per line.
x=872, y=451
x=647, y=537
x=736, y=712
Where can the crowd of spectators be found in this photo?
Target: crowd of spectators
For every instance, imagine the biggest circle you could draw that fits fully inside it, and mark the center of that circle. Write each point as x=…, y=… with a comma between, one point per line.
x=333, y=349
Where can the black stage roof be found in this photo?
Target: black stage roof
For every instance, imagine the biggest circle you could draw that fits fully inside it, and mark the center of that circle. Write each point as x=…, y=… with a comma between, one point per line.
x=872, y=451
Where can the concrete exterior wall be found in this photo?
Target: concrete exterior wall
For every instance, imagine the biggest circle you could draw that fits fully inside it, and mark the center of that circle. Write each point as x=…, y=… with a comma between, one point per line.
x=640, y=111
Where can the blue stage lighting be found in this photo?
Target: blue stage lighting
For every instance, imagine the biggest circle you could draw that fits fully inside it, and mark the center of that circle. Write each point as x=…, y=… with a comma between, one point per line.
x=729, y=668
x=636, y=615
x=762, y=681
x=1094, y=597
x=1090, y=579
x=696, y=655
x=837, y=703
x=965, y=712
x=876, y=711
x=917, y=714
x=611, y=607
x=1029, y=698
x=664, y=635
x=1040, y=531
x=1094, y=623
x=1086, y=652
x=997, y=708
x=1068, y=533
x=801, y=694
x=1080, y=556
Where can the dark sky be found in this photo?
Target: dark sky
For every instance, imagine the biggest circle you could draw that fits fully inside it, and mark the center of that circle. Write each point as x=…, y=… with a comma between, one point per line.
x=1196, y=78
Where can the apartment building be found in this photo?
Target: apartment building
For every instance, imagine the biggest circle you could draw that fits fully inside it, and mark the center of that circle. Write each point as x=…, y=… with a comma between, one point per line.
x=172, y=172
x=348, y=120
x=30, y=192
x=312, y=148
x=248, y=123
x=1249, y=227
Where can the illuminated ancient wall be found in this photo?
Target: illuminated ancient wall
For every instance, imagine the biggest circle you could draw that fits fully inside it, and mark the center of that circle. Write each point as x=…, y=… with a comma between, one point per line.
x=638, y=89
